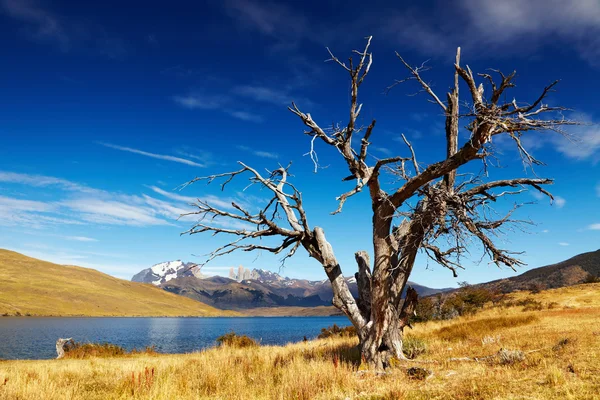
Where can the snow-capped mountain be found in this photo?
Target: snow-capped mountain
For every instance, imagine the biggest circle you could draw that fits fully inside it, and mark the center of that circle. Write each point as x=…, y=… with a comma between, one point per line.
x=245, y=288
x=166, y=271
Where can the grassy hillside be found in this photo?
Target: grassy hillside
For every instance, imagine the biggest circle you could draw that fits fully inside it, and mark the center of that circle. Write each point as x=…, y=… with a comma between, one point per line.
x=35, y=287
x=573, y=271
x=560, y=345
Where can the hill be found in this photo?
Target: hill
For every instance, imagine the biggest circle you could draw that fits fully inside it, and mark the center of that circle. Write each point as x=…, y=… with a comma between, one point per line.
x=570, y=272
x=35, y=287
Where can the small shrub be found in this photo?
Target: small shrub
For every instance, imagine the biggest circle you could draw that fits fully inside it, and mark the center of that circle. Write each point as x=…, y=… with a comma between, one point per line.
x=562, y=343
x=413, y=346
x=337, y=331
x=536, y=288
x=418, y=373
x=234, y=340
x=530, y=304
x=591, y=279
x=510, y=357
x=86, y=350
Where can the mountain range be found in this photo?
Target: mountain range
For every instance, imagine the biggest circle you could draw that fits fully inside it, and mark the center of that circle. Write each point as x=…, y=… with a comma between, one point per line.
x=245, y=289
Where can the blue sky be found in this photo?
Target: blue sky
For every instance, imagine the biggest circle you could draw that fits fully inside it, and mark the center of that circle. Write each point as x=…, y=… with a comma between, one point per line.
x=106, y=108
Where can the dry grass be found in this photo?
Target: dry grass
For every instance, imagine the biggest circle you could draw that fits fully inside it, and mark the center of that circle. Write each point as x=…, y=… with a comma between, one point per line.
x=564, y=366
x=34, y=287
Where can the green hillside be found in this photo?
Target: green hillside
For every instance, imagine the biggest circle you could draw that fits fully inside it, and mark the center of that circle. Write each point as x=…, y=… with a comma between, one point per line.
x=35, y=287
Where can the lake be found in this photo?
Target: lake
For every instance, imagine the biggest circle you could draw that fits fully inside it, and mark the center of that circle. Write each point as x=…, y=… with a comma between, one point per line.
x=35, y=338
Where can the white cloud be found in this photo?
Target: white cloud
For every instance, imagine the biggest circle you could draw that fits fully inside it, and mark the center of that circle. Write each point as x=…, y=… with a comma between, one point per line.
x=245, y=115
x=222, y=103
x=153, y=155
x=382, y=150
x=585, y=140
x=81, y=238
x=201, y=102
x=598, y=189
x=114, y=212
x=499, y=27
x=594, y=227
x=259, y=153
x=212, y=200
x=42, y=181
x=271, y=95
x=80, y=204
x=563, y=244
x=44, y=25
x=559, y=201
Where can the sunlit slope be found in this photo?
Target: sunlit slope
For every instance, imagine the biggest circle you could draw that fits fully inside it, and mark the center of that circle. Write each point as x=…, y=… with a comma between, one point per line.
x=31, y=286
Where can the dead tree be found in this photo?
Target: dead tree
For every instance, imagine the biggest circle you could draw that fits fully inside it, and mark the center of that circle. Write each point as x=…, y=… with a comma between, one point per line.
x=433, y=209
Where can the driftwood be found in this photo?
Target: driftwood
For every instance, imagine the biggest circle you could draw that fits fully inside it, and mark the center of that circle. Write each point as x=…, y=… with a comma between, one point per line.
x=60, y=346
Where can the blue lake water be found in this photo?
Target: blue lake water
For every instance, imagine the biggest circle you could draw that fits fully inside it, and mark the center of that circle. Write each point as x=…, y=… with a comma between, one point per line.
x=35, y=338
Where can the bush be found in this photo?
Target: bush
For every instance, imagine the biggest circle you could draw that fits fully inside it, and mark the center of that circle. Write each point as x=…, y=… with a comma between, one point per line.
x=530, y=304
x=337, y=331
x=413, y=346
x=86, y=350
x=467, y=300
x=591, y=279
x=234, y=340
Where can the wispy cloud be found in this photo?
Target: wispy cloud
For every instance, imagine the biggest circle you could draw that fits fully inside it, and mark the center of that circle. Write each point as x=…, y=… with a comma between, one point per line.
x=245, y=116
x=594, y=227
x=221, y=103
x=81, y=238
x=77, y=204
x=584, y=142
x=498, y=27
x=200, y=102
x=563, y=244
x=383, y=150
x=114, y=212
x=559, y=201
x=222, y=202
x=271, y=95
x=259, y=153
x=41, y=24
x=153, y=155
x=42, y=181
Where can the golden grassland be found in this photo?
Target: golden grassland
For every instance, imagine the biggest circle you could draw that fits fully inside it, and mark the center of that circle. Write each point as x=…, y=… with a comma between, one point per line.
x=35, y=287
x=561, y=347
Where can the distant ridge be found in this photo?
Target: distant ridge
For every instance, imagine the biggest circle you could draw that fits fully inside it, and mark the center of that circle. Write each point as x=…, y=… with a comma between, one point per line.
x=570, y=272
x=34, y=287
